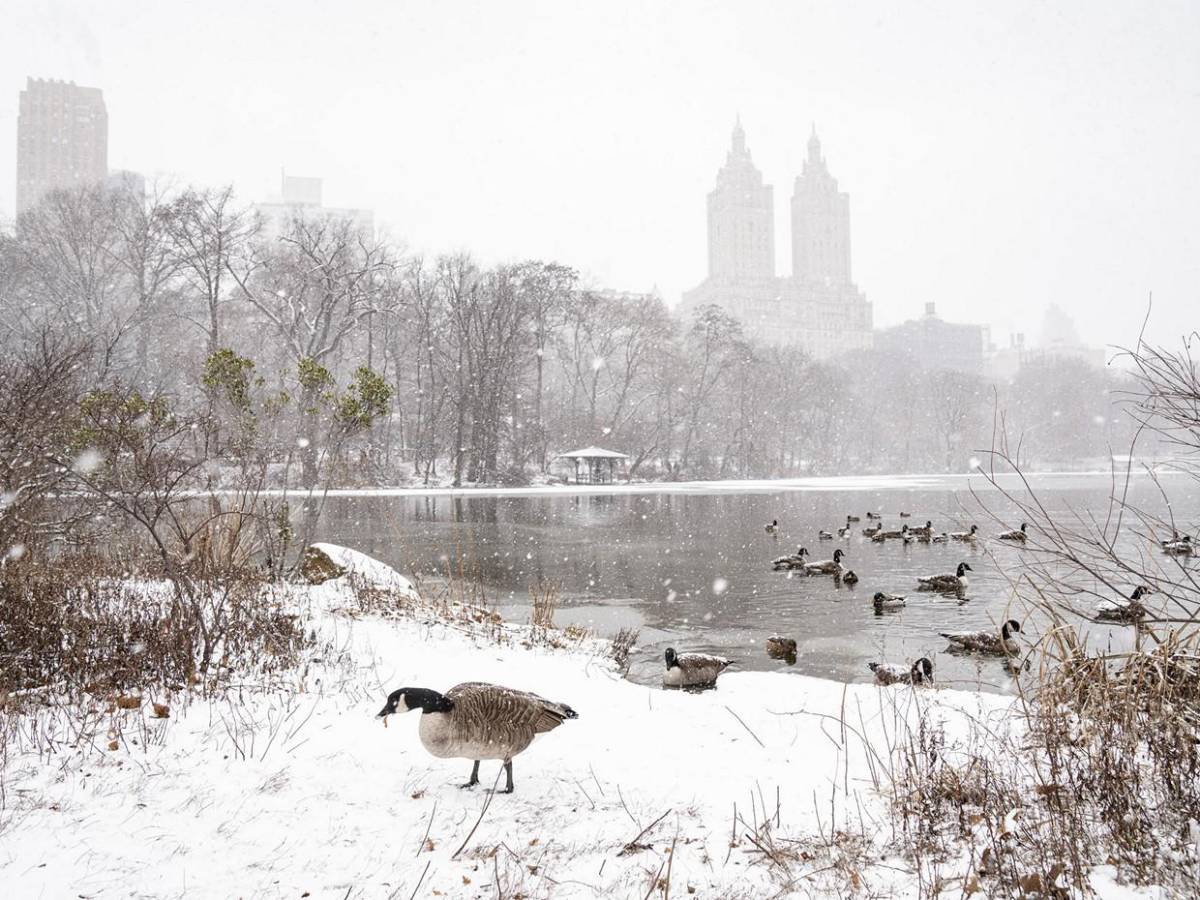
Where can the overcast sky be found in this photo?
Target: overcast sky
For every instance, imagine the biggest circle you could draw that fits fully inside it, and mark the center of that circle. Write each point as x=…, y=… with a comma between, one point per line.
x=999, y=156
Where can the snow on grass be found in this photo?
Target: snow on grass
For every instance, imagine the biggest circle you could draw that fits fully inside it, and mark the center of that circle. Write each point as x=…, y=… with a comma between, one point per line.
x=276, y=791
x=367, y=570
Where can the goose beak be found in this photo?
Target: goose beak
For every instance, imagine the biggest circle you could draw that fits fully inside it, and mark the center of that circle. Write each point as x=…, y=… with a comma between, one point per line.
x=383, y=714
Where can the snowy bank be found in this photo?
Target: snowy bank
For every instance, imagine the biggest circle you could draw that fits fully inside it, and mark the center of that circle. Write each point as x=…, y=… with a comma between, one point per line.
x=277, y=791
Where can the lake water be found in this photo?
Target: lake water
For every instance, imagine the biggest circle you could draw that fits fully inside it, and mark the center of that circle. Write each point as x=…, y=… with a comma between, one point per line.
x=691, y=566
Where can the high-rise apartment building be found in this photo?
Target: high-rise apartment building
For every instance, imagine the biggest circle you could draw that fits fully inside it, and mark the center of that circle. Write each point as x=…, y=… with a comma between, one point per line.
x=62, y=139
x=818, y=308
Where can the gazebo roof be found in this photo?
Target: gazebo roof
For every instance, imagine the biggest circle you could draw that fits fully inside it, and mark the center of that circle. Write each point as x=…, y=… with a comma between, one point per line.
x=592, y=453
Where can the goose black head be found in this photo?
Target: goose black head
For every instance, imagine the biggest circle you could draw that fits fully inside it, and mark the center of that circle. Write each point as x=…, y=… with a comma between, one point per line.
x=1022, y=528
x=1140, y=591
x=1009, y=627
x=671, y=657
x=407, y=699
x=837, y=555
x=879, y=595
x=928, y=525
x=922, y=670
x=802, y=551
x=774, y=521
x=963, y=567
x=974, y=528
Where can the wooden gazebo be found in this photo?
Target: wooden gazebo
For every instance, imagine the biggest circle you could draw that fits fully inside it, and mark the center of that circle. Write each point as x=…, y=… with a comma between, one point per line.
x=594, y=465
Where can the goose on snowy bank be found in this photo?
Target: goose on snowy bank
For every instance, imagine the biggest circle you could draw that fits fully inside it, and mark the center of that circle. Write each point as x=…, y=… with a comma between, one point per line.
x=478, y=721
x=692, y=669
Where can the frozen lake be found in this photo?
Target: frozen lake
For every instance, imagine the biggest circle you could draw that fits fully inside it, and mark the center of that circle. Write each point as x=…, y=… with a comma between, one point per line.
x=691, y=565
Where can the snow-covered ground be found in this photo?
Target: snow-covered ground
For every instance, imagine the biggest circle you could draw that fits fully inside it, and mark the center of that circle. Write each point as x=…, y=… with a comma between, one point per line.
x=295, y=789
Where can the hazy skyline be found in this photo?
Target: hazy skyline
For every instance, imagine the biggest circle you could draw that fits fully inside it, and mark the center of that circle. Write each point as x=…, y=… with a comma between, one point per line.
x=998, y=158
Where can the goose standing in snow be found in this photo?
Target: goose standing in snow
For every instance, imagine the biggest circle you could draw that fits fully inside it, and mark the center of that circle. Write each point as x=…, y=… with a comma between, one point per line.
x=920, y=672
x=794, y=561
x=478, y=721
x=956, y=582
x=1017, y=534
x=773, y=527
x=989, y=642
x=1130, y=610
x=692, y=669
x=827, y=566
x=964, y=535
x=883, y=601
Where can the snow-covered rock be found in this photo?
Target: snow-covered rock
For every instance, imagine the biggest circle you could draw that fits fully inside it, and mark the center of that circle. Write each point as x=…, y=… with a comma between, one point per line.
x=324, y=562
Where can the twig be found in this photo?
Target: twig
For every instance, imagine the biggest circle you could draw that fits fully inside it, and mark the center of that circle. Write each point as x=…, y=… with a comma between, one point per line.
x=747, y=727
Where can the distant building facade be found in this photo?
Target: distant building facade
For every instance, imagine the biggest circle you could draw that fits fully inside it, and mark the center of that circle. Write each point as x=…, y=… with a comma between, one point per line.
x=818, y=308
x=302, y=198
x=62, y=139
x=933, y=343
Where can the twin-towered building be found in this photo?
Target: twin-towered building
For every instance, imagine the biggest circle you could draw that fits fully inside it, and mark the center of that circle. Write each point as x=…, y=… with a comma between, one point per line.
x=818, y=307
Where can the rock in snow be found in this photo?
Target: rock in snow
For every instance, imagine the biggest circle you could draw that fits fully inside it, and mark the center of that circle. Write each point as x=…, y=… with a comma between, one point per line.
x=324, y=562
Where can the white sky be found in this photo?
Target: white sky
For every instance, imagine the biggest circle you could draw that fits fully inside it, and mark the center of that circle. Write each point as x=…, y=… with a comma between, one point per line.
x=999, y=156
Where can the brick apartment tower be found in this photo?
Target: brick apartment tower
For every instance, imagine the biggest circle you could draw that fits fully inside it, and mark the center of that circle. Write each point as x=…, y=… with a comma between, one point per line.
x=62, y=139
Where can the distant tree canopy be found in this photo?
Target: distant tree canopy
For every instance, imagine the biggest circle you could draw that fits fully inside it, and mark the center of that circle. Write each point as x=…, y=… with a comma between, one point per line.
x=320, y=338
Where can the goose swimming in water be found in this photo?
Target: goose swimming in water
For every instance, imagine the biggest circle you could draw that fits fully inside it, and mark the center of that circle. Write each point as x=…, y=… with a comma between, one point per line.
x=956, y=582
x=872, y=530
x=845, y=530
x=1018, y=534
x=922, y=530
x=884, y=601
x=1179, y=546
x=692, y=669
x=872, y=515
x=478, y=721
x=824, y=535
x=964, y=535
x=795, y=561
x=880, y=536
x=853, y=519
x=773, y=527
x=1130, y=610
x=827, y=566
x=921, y=672
x=779, y=646
x=850, y=578
x=989, y=642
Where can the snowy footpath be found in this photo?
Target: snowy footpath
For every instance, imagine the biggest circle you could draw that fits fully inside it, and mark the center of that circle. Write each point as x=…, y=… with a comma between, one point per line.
x=764, y=787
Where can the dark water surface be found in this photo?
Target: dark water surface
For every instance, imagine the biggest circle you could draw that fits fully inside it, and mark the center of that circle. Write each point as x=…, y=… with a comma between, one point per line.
x=692, y=569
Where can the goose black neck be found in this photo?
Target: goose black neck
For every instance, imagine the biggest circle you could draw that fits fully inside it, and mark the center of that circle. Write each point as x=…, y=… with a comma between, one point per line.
x=427, y=700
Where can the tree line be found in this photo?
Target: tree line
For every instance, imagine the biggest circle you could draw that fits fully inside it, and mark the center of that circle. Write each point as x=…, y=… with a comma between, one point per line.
x=317, y=343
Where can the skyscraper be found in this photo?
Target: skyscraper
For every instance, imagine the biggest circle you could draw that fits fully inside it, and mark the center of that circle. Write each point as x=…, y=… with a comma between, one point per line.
x=820, y=223
x=62, y=139
x=741, y=218
x=818, y=308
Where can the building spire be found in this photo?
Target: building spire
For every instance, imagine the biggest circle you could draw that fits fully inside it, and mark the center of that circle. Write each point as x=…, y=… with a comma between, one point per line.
x=814, y=145
x=739, y=136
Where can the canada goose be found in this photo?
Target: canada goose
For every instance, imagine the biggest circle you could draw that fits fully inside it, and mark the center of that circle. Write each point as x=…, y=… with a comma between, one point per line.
x=872, y=515
x=779, y=646
x=1018, y=535
x=955, y=582
x=827, y=566
x=794, y=561
x=940, y=538
x=850, y=578
x=881, y=536
x=692, y=669
x=919, y=673
x=1130, y=610
x=853, y=519
x=872, y=530
x=824, y=535
x=922, y=530
x=1001, y=644
x=773, y=527
x=905, y=515
x=845, y=530
x=884, y=601
x=964, y=535
x=478, y=721
x=1179, y=546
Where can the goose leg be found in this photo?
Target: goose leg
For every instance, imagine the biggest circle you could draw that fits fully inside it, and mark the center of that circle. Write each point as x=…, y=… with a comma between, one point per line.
x=508, y=788
x=474, y=776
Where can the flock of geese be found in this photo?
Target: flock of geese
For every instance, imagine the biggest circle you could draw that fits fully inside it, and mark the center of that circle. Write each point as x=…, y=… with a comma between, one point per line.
x=478, y=721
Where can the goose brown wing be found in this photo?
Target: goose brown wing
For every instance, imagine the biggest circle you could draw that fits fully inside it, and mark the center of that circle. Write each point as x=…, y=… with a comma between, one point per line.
x=506, y=710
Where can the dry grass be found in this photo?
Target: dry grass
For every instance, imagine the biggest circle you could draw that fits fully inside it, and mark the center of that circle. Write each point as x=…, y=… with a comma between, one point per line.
x=544, y=598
